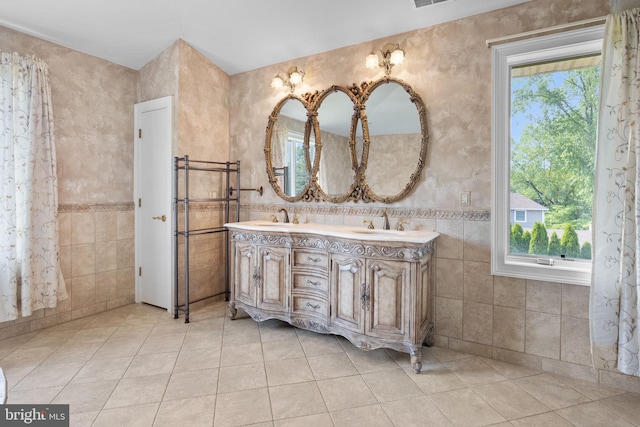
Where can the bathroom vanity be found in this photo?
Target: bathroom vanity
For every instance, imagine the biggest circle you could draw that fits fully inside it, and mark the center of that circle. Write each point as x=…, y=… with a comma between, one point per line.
x=373, y=287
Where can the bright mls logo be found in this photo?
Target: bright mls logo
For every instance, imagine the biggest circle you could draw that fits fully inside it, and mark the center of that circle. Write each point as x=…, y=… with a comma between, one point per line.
x=34, y=415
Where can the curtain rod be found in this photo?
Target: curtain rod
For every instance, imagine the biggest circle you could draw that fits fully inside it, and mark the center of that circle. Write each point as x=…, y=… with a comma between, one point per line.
x=549, y=30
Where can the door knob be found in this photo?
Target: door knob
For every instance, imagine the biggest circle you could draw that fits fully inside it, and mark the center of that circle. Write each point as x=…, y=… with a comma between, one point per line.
x=162, y=218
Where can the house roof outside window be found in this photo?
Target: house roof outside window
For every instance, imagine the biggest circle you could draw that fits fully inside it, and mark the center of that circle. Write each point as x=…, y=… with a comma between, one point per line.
x=520, y=202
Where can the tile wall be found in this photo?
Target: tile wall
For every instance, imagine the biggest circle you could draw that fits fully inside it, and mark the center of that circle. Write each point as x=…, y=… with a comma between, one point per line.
x=97, y=260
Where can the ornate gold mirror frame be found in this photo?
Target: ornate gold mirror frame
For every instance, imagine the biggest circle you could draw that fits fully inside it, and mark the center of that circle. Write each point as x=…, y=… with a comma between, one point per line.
x=359, y=189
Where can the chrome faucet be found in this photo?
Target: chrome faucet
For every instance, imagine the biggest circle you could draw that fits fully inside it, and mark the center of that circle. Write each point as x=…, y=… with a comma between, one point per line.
x=385, y=226
x=286, y=214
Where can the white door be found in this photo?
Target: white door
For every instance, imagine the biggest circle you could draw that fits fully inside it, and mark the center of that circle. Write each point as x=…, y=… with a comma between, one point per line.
x=153, y=199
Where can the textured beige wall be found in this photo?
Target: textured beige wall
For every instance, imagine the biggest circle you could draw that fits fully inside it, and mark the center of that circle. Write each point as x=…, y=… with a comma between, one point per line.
x=93, y=115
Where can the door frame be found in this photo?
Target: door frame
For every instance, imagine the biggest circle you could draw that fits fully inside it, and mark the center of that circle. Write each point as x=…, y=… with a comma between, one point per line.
x=140, y=108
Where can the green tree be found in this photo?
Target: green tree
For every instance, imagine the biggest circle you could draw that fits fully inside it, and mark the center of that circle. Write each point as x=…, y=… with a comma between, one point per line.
x=555, y=248
x=585, y=252
x=515, y=239
x=539, y=244
x=569, y=242
x=553, y=161
x=526, y=241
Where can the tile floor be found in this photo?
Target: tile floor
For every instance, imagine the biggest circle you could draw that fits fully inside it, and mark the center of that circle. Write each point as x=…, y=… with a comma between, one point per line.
x=137, y=366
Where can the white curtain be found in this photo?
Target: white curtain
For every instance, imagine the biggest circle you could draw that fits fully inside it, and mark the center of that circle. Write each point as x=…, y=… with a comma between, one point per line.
x=616, y=209
x=30, y=274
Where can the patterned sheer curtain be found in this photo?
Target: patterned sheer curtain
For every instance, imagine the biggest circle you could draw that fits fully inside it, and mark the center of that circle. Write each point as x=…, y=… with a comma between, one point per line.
x=30, y=274
x=616, y=208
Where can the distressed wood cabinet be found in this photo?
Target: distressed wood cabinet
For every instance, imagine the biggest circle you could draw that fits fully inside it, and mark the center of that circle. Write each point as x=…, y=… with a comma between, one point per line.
x=373, y=288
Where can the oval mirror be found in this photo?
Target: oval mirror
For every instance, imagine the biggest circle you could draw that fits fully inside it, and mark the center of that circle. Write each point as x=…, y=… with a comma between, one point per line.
x=335, y=120
x=289, y=148
x=393, y=156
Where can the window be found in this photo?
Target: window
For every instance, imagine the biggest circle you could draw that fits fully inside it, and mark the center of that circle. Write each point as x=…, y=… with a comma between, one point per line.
x=297, y=172
x=545, y=108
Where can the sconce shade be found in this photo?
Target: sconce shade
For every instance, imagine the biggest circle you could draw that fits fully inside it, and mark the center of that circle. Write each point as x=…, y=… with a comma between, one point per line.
x=277, y=82
x=372, y=60
x=397, y=56
x=295, y=78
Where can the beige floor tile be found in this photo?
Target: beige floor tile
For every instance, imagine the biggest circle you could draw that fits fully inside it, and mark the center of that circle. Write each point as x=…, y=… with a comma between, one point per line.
x=592, y=414
x=132, y=416
x=510, y=400
x=49, y=337
x=86, y=397
x=151, y=364
x=58, y=374
x=288, y=371
x=73, y=352
x=103, y=370
x=278, y=350
x=316, y=420
x=626, y=406
x=296, y=400
x=162, y=344
x=139, y=333
x=34, y=356
x=240, y=336
x=185, y=385
x=196, y=359
x=275, y=330
x=346, y=392
x=404, y=359
x=33, y=396
x=242, y=408
x=116, y=347
x=315, y=344
x=83, y=419
x=509, y=370
x=242, y=377
x=445, y=355
x=550, y=391
x=200, y=339
x=550, y=419
x=473, y=371
x=474, y=411
x=368, y=416
x=372, y=361
x=415, y=411
x=331, y=366
x=593, y=391
x=391, y=385
x=93, y=334
x=15, y=374
x=241, y=354
x=195, y=412
x=436, y=378
x=138, y=391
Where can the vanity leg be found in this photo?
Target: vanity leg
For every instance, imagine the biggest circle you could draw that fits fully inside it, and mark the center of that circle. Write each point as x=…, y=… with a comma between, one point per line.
x=231, y=313
x=416, y=359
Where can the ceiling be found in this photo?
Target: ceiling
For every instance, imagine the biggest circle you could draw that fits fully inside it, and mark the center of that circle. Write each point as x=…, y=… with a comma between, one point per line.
x=236, y=35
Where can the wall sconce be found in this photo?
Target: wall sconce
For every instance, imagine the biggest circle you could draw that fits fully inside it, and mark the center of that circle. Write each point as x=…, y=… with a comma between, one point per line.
x=391, y=55
x=293, y=78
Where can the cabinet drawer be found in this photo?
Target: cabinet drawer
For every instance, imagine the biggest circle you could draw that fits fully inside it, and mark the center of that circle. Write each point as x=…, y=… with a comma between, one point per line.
x=305, y=304
x=307, y=281
x=310, y=258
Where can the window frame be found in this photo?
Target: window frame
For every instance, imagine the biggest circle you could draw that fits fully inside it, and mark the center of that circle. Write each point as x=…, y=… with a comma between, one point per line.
x=580, y=42
x=515, y=215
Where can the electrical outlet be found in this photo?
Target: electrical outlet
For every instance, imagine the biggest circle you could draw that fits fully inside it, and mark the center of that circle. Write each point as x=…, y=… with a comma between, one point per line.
x=465, y=198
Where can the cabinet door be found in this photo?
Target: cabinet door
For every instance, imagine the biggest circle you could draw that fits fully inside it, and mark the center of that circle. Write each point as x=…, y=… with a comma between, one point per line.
x=347, y=283
x=388, y=307
x=274, y=278
x=245, y=273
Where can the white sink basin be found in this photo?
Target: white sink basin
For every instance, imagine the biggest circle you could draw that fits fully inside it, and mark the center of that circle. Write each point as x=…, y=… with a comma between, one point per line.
x=340, y=231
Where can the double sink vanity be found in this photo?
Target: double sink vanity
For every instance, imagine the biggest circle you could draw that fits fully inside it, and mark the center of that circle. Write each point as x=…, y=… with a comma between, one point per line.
x=373, y=287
